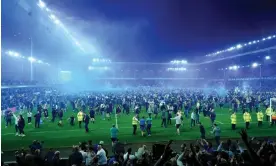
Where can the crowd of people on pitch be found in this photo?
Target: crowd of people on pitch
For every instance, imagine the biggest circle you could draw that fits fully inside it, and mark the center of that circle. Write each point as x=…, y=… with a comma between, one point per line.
x=37, y=102
x=249, y=152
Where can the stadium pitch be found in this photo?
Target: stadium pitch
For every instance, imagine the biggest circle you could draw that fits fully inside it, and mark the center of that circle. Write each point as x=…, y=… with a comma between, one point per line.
x=55, y=136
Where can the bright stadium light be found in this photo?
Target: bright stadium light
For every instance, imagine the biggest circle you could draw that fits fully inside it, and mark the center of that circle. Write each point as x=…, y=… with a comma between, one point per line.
x=267, y=57
x=39, y=61
x=90, y=68
x=41, y=4
x=254, y=65
x=57, y=22
x=16, y=54
x=31, y=59
x=235, y=67
x=239, y=46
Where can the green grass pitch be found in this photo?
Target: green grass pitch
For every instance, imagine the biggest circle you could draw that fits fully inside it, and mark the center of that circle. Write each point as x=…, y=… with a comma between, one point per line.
x=66, y=136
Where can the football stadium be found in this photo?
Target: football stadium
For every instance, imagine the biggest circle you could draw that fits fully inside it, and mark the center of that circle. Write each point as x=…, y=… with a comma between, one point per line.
x=101, y=83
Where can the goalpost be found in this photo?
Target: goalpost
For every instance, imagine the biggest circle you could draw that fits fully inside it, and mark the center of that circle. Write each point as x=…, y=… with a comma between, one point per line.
x=272, y=106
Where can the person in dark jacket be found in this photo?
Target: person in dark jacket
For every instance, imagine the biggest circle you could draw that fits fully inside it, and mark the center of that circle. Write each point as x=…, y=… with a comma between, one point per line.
x=76, y=157
x=21, y=125
x=86, y=122
x=202, y=131
x=37, y=119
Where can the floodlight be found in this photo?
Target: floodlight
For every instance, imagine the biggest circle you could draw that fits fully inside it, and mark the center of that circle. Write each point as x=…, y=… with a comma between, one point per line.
x=230, y=68
x=249, y=43
x=264, y=39
x=269, y=37
x=41, y=4
x=57, y=22
x=47, y=9
x=90, y=68
x=15, y=54
x=274, y=36
x=39, y=61
x=31, y=59
x=235, y=67
x=267, y=57
x=254, y=41
x=255, y=64
x=239, y=46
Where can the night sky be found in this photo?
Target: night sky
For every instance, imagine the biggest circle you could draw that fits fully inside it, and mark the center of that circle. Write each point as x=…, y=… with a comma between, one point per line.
x=187, y=28
x=178, y=28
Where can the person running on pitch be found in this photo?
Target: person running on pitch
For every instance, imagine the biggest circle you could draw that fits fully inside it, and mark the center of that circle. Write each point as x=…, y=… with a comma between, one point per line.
x=142, y=125
x=149, y=124
x=178, y=122
x=114, y=134
x=233, y=120
x=260, y=117
x=16, y=124
x=135, y=122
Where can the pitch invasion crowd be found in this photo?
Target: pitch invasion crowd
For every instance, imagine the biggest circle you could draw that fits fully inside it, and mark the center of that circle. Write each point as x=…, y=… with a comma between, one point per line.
x=158, y=102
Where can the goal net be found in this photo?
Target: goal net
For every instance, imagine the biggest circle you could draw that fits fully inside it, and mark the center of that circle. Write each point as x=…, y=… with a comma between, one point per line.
x=272, y=107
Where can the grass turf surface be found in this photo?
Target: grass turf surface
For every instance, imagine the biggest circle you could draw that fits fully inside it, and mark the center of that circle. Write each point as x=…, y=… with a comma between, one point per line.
x=66, y=136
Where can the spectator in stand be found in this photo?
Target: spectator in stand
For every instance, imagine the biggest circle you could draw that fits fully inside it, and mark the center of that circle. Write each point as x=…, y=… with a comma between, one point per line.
x=101, y=156
x=128, y=155
x=90, y=156
x=56, y=159
x=76, y=157
x=49, y=157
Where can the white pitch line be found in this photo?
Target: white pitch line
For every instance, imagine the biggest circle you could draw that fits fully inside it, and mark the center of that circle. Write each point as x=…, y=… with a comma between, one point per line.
x=219, y=122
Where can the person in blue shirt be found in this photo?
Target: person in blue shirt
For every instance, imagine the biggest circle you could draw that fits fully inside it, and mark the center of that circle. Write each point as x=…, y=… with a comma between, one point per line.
x=149, y=124
x=92, y=115
x=143, y=125
x=86, y=122
x=114, y=134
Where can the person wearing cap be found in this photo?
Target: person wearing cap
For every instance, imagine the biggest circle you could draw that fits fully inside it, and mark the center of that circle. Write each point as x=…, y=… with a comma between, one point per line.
x=114, y=134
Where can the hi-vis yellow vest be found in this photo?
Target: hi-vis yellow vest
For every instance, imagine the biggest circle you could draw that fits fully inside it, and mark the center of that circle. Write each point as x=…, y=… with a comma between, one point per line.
x=260, y=116
x=268, y=111
x=134, y=121
x=80, y=116
x=246, y=117
x=233, y=119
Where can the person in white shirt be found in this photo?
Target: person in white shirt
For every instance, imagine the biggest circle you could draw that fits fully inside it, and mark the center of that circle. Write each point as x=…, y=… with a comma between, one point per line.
x=84, y=155
x=29, y=116
x=178, y=122
x=101, y=155
x=16, y=124
x=129, y=155
x=193, y=119
x=141, y=151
